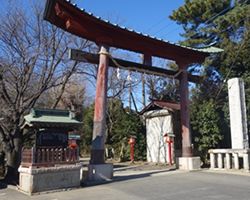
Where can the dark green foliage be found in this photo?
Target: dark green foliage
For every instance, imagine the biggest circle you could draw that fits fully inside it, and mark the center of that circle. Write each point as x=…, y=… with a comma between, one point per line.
x=167, y=90
x=205, y=121
x=87, y=130
x=120, y=125
x=224, y=24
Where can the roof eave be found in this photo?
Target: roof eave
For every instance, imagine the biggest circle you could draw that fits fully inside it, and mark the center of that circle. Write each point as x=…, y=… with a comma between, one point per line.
x=71, y=13
x=48, y=10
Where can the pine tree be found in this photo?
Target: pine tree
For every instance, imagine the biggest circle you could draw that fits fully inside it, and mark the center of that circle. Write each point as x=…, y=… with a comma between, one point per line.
x=224, y=24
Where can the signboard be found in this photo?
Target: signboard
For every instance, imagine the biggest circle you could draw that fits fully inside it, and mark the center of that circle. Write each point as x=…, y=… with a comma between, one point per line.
x=74, y=135
x=77, y=55
x=52, y=138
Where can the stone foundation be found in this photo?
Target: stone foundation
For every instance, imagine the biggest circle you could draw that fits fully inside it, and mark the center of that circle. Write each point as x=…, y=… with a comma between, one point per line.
x=189, y=163
x=35, y=180
x=100, y=172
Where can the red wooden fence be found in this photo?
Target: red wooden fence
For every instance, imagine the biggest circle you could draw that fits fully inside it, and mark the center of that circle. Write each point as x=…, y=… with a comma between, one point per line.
x=49, y=156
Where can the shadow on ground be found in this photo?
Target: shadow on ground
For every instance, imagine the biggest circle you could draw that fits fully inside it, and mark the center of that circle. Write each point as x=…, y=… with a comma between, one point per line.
x=3, y=185
x=118, y=178
x=126, y=177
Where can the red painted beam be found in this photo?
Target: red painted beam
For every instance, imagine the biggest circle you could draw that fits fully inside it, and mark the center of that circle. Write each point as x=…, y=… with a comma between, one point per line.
x=70, y=18
x=83, y=56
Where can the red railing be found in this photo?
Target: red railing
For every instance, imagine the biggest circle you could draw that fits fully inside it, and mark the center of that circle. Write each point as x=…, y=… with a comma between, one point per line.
x=49, y=156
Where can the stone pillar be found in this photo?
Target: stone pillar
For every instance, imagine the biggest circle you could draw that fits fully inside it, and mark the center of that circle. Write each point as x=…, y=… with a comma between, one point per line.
x=246, y=161
x=220, y=161
x=238, y=117
x=236, y=161
x=228, y=161
x=212, y=161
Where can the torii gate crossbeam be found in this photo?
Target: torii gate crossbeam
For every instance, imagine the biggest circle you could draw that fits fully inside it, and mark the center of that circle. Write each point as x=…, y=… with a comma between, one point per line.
x=83, y=56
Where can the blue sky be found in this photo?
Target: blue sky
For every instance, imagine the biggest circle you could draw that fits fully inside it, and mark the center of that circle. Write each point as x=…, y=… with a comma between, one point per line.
x=147, y=16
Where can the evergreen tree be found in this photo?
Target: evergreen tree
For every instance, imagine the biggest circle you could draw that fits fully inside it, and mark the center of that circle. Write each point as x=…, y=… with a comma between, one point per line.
x=87, y=130
x=205, y=121
x=224, y=24
x=121, y=124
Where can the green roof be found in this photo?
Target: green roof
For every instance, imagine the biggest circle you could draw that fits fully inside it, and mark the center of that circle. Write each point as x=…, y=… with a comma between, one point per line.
x=210, y=49
x=49, y=117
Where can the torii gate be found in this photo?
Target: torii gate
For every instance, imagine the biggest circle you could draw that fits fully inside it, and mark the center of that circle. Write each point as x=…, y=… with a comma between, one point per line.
x=85, y=25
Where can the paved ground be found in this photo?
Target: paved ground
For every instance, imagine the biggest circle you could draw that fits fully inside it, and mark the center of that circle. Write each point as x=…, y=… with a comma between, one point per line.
x=145, y=183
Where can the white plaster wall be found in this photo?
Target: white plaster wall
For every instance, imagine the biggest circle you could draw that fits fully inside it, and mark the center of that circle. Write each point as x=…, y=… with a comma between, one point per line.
x=238, y=117
x=158, y=123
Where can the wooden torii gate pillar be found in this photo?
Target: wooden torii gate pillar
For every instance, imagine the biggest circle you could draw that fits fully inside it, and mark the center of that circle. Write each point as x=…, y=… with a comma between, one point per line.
x=187, y=161
x=99, y=129
x=98, y=169
x=185, y=118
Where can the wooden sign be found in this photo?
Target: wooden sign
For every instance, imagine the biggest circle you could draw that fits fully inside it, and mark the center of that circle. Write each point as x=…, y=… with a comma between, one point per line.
x=77, y=55
x=74, y=135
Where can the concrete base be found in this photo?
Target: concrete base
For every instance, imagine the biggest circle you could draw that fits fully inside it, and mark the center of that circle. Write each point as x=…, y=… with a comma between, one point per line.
x=100, y=172
x=189, y=163
x=36, y=180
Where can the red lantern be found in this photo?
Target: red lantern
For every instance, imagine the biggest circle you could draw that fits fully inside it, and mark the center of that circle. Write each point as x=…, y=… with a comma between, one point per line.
x=131, y=140
x=132, y=144
x=169, y=141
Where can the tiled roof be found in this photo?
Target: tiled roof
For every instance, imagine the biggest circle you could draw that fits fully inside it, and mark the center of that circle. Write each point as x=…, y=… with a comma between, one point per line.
x=50, y=118
x=158, y=104
x=205, y=49
x=74, y=13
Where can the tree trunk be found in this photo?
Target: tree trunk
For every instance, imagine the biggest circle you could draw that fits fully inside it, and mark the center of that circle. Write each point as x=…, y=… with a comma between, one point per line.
x=13, y=161
x=121, y=155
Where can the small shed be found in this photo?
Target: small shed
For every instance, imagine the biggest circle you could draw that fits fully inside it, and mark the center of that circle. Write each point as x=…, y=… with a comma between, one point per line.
x=162, y=118
x=52, y=130
x=52, y=162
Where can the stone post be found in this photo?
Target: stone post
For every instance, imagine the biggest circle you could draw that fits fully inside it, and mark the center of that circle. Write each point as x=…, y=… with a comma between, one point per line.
x=228, y=161
x=212, y=160
x=238, y=117
x=236, y=161
x=246, y=161
x=220, y=161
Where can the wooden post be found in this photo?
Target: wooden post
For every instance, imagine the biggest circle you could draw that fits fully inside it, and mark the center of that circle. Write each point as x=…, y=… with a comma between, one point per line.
x=185, y=119
x=98, y=139
x=146, y=60
x=33, y=155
